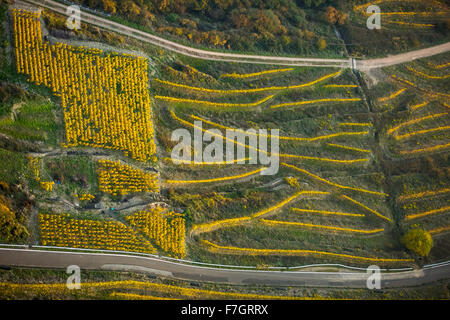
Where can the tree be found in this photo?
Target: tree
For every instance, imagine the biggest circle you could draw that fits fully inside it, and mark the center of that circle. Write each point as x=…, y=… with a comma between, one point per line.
x=321, y=44
x=130, y=9
x=10, y=228
x=334, y=16
x=418, y=241
x=109, y=6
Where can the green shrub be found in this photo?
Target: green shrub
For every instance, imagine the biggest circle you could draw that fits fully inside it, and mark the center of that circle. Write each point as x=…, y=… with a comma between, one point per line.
x=418, y=241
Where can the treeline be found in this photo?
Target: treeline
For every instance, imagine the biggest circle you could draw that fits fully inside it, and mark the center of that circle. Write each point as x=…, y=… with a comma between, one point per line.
x=244, y=25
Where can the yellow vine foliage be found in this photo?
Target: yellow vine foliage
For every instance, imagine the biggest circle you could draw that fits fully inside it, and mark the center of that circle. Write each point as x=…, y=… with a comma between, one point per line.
x=324, y=137
x=413, y=13
x=201, y=163
x=84, y=196
x=47, y=185
x=428, y=149
x=435, y=3
x=298, y=103
x=166, y=229
x=419, y=105
x=281, y=155
x=356, y=124
x=427, y=213
x=327, y=212
x=275, y=88
x=367, y=208
x=425, y=75
x=293, y=182
x=411, y=24
x=429, y=92
x=348, y=148
x=309, y=225
x=392, y=96
x=243, y=175
x=255, y=74
x=439, y=230
x=62, y=231
x=134, y=296
x=439, y=66
x=341, y=86
x=116, y=178
x=423, y=194
x=34, y=164
x=214, y=104
x=54, y=290
x=406, y=123
x=211, y=226
x=414, y=133
x=363, y=6
x=295, y=252
x=332, y=183
x=105, y=99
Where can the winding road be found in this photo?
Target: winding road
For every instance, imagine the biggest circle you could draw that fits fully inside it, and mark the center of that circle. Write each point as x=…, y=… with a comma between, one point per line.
x=156, y=266
x=362, y=65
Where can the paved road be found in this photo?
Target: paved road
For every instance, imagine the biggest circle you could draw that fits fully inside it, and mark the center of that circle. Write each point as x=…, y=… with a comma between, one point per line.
x=123, y=262
x=231, y=57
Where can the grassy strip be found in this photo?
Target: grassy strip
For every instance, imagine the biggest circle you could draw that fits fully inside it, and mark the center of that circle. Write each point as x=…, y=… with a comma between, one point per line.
x=210, y=226
x=423, y=194
x=297, y=252
x=428, y=149
x=298, y=103
x=426, y=213
x=392, y=96
x=328, y=212
x=439, y=230
x=408, y=135
x=425, y=75
x=432, y=116
x=348, y=148
x=49, y=289
x=196, y=163
x=255, y=74
x=367, y=208
x=215, y=179
x=358, y=124
x=276, y=88
x=309, y=225
x=324, y=137
x=214, y=104
x=332, y=183
x=281, y=155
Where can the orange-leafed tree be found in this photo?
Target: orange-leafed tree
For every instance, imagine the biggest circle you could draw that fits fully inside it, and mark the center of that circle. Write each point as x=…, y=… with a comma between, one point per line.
x=334, y=16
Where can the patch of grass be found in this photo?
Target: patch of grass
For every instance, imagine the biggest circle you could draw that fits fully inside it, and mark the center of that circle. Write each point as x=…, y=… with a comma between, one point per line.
x=76, y=174
x=13, y=167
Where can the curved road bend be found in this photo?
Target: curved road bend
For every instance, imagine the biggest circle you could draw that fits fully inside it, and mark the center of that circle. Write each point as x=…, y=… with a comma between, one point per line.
x=123, y=262
x=231, y=57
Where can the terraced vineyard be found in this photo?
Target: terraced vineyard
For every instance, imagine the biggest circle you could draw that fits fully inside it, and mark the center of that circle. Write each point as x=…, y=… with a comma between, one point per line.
x=328, y=201
x=404, y=24
x=359, y=166
x=416, y=134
